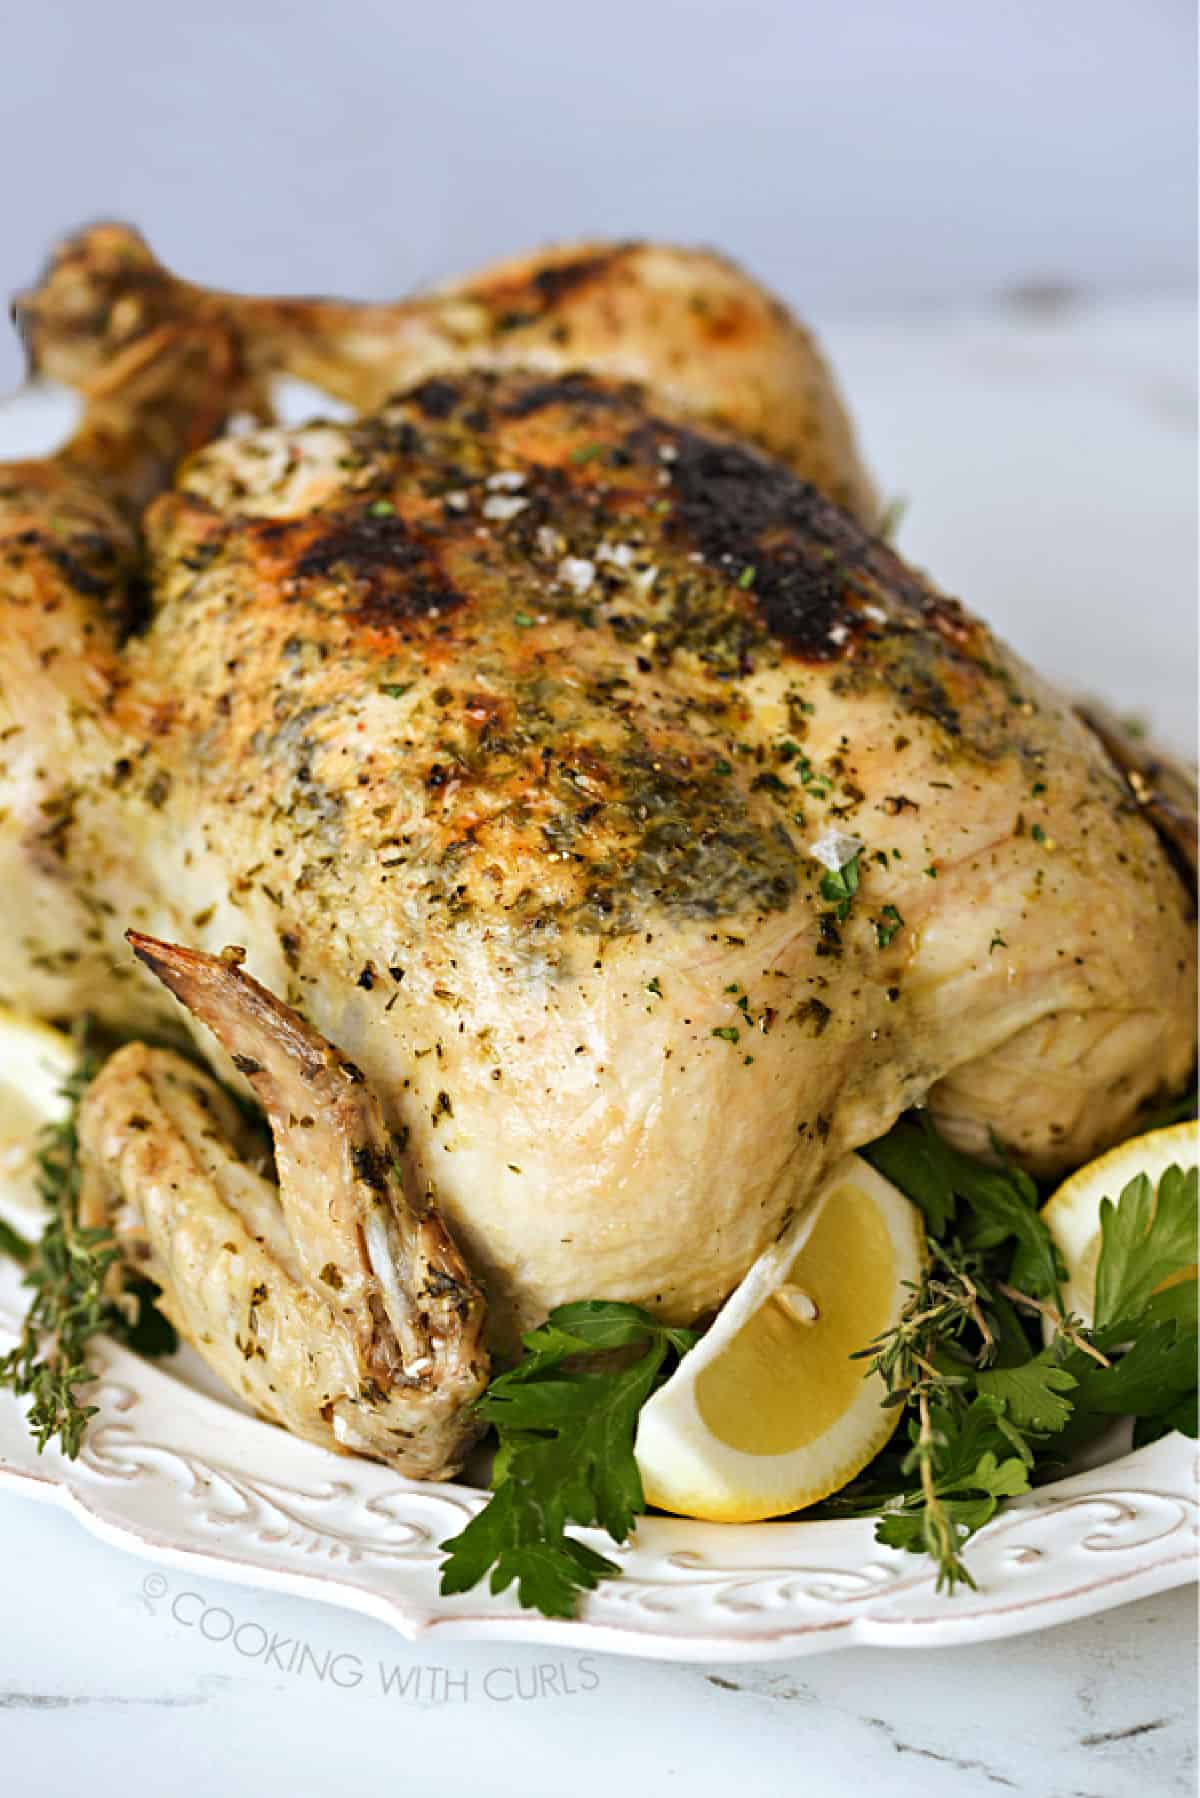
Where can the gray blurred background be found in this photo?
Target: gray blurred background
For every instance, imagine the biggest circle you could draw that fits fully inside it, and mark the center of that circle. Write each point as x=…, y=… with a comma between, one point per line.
x=987, y=208
x=863, y=155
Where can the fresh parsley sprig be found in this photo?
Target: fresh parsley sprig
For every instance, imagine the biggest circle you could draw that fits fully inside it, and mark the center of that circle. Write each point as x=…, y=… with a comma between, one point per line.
x=1147, y=1238
x=999, y=1202
x=566, y=1416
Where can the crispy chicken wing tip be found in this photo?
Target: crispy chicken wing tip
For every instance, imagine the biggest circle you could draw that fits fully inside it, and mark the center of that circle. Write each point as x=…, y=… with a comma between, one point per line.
x=245, y=1017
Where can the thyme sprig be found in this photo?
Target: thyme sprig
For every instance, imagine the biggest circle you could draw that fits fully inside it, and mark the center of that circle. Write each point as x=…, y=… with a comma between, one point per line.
x=949, y=1296
x=74, y=1296
x=941, y=1339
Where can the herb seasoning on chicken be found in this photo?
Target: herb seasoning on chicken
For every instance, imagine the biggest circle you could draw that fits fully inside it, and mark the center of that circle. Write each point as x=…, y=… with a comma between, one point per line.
x=645, y=830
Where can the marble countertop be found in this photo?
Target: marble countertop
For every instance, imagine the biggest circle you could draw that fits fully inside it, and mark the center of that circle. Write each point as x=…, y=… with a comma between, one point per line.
x=113, y=1673
x=1050, y=464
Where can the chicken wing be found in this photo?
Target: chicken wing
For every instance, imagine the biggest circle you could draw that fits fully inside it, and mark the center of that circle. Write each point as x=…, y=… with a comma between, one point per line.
x=328, y=1301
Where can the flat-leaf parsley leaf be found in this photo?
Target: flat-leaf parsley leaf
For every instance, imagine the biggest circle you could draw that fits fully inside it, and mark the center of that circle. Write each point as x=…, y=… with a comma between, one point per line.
x=566, y=1416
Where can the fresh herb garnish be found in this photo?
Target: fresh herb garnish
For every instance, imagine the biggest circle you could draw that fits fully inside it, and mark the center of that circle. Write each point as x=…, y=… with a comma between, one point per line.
x=887, y=924
x=566, y=1416
x=839, y=885
x=1146, y=1238
x=14, y=1245
x=70, y=1273
x=998, y=1384
x=989, y=1407
x=988, y=1206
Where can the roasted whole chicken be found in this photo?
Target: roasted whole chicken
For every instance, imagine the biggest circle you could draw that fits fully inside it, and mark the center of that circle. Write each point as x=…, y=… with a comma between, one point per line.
x=547, y=794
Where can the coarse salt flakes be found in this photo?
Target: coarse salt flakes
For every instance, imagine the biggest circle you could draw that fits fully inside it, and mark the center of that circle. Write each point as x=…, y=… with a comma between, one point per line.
x=577, y=572
x=620, y=555
x=500, y=508
x=834, y=848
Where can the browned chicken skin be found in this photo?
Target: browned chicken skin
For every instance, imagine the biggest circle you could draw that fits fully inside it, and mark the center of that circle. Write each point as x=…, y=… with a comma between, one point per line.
x=515, y=730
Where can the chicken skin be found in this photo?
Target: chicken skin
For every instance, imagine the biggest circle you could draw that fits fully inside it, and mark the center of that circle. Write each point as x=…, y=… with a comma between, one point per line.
x=641, y=828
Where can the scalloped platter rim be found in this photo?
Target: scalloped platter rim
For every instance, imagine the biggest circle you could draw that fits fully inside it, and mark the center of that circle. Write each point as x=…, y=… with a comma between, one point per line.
x=172, y=1471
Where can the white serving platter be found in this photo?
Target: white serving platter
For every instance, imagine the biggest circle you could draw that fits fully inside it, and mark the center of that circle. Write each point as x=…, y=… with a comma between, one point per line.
x=174, y=1470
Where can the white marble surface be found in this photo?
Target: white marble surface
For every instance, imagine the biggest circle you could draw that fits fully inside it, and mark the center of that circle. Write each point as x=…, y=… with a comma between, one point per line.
x=1050, y=466
x=115, y=1677
x=1047, y=459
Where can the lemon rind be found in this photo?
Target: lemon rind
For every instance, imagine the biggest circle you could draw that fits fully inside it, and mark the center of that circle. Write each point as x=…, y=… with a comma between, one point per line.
x=678, y=1476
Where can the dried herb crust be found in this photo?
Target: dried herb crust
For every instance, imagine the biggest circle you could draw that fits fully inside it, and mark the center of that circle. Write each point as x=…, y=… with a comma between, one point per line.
x=544, y=611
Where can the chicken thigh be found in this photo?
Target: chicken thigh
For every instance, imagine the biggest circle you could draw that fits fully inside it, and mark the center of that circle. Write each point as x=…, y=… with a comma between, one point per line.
x=644, y=830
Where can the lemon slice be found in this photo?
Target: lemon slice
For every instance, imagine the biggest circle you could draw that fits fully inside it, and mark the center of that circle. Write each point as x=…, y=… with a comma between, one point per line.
x=36, y=1060
x=1072, y=1214
x=769, y=1413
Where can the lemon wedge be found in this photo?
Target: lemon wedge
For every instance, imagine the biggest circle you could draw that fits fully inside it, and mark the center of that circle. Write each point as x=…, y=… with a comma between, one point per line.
x=1072, y=1214
x=769, y=1413
x=36, y=1060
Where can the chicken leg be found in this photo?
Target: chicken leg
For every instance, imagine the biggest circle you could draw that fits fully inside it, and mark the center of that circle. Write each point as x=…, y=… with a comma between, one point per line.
x=155, y=387
x=709, y=343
